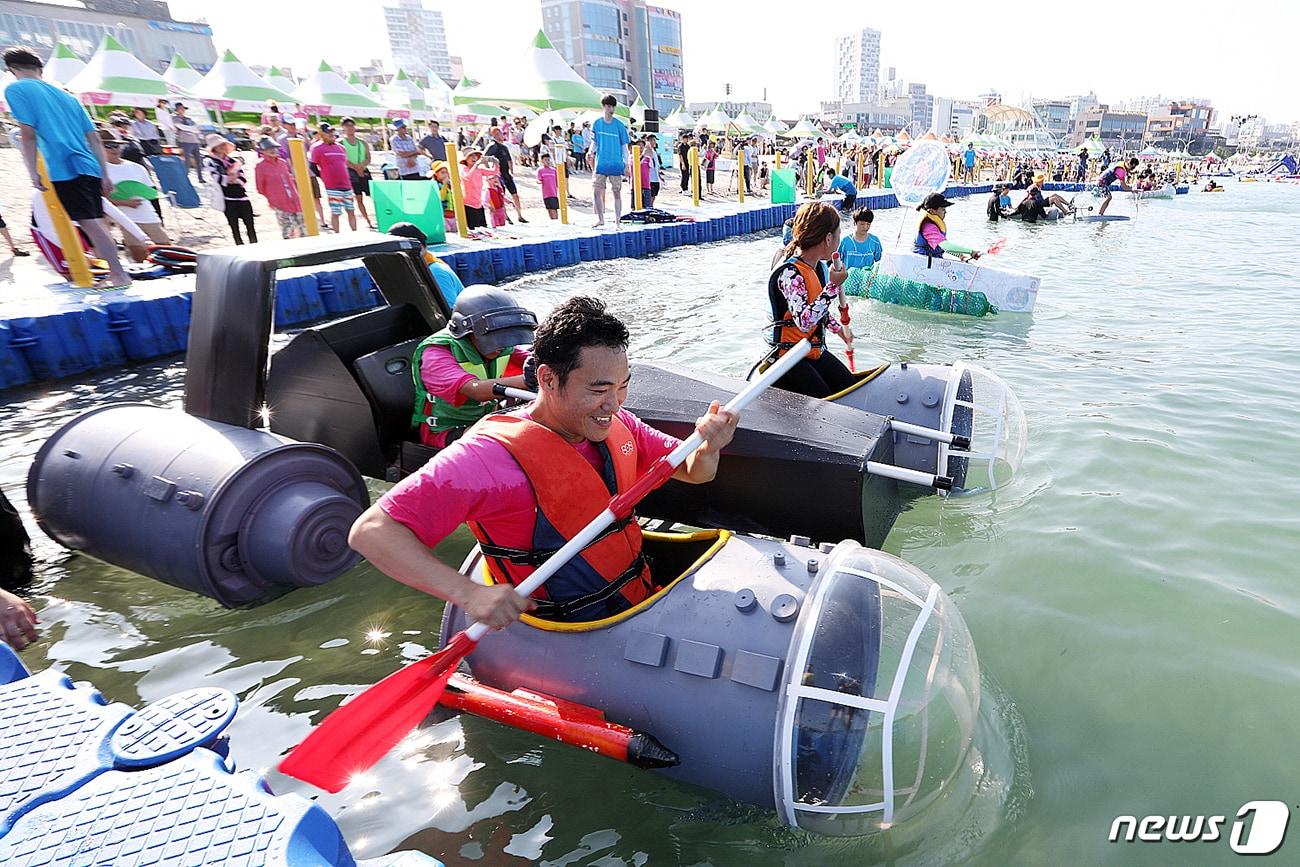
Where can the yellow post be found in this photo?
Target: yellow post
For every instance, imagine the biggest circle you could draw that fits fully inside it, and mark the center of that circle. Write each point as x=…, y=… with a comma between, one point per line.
x=740, y=171
x=298, y=157
x=636, y=177
x=562, y=187
x=695, y=175
x=778, y=161
x=458, y=196
x=880, y=174
x=861, y=157
x=808, y=185
x=73, y=253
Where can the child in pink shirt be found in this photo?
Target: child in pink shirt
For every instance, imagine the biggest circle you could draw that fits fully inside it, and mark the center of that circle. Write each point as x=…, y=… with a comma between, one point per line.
x=549, y=180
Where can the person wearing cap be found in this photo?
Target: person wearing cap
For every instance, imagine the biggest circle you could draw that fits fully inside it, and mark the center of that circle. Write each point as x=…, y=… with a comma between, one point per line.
x=52, y=121
x=527, y=480
x=441, y=173
x=999, y=204
x=227, y=172
x=456, y=369
x=331, y=162
x=1035, y=204
x=275, y=182
x=137, y=209
x=358, y=154
x=187, y=138
x=932, y=232
x=406, y=150
x=448, y=283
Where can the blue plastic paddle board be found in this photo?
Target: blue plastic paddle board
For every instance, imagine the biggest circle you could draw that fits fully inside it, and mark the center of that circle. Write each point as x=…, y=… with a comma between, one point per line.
x=1103, y=218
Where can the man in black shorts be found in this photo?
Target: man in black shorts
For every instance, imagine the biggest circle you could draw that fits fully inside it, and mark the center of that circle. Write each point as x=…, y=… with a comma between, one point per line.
x=501, y=153
x=358, y=156
x=684, y=146
x=53, y=121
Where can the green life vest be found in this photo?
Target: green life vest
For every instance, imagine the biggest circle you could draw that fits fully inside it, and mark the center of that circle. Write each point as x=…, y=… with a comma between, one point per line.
x=441, y=415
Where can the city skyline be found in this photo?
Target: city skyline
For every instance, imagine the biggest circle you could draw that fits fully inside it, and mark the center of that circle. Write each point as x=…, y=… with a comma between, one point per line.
x=796, y=81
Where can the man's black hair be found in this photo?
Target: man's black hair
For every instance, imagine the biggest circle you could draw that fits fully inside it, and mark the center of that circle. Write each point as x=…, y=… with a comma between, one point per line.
x=577, y=323
x=21, y=57
x=608, y=99
x=863, y=215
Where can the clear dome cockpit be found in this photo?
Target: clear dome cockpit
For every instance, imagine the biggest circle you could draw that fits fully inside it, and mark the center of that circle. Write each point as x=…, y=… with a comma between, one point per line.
x=978, y=404
x=880, y=704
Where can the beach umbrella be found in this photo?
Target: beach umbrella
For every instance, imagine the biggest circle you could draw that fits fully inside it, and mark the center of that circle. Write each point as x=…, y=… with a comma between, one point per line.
x=414, y=93
x=714, y=121
x=326, y=92
x=850, y=138
x=63, y=65
x=1149, y=154
x=546, y=83
x=803, y=128
x=746, y=123
x=115, y=77
x=180, y=74
x=278, y=79
x=232, y=86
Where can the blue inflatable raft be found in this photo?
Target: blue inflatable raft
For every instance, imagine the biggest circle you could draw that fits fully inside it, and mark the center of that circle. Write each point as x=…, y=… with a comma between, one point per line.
x=83, y=781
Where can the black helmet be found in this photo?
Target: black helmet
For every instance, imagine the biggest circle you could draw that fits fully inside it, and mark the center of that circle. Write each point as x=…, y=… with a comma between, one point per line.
x=493, y=318
x=408, y=230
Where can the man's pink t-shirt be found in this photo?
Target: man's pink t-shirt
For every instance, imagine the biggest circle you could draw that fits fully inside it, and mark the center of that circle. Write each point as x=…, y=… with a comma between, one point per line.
x=476, y=479
x=332, y=160
x=443, y=377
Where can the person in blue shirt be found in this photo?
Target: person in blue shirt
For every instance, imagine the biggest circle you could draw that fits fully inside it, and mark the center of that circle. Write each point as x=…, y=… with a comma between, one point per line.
x=448, y=283
x=52, y=120
x=610, y=142
x=841, y=184
x=968, y=159
x=861, y=249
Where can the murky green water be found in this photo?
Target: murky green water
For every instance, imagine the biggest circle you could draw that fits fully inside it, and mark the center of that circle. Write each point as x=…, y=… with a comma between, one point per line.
x=1132, y=596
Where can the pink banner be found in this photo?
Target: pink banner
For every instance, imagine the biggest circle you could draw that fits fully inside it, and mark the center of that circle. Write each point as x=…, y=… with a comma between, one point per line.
x=94, y=97
x=399, y=112
x=316, y=109
x=219, y=104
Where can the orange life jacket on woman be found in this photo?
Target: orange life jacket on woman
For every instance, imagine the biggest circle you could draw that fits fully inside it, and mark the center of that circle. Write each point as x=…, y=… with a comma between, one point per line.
x=785, y=333
x=610, y=574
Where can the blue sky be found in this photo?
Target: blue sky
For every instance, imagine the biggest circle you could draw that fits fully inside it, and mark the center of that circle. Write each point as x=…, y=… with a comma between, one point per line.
x=1234, y=53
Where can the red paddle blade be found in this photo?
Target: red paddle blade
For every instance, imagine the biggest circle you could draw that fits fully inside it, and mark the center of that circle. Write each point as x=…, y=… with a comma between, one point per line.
x=359, y=733
x=996, y=246
x=852, y=367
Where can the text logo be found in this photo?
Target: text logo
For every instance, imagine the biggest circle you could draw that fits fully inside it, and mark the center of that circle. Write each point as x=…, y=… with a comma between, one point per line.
x=1259, y=828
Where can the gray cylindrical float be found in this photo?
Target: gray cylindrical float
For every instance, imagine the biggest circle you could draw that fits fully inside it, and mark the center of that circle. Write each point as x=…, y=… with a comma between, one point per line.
x=838, y=686
x=239, y=515
x=957, y=399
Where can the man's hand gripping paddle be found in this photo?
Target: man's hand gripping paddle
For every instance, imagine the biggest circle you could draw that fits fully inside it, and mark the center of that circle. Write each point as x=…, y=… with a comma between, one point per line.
x=359, y=733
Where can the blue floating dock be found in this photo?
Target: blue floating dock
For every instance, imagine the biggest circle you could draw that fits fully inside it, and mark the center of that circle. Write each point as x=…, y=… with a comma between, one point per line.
x=86, y=782
x=55, y=331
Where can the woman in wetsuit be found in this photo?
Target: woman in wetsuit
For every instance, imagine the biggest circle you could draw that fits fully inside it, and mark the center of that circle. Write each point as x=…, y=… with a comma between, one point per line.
x=804, y=293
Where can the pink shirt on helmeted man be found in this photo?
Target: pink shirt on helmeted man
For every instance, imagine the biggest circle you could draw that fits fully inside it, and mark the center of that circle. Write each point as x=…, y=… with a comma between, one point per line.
x=476, y=479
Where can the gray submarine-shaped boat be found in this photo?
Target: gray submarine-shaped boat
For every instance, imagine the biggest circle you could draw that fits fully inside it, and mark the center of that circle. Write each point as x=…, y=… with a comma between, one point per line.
x=832, y=682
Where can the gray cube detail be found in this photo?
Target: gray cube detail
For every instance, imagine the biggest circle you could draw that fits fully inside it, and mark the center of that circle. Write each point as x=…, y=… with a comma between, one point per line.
x=756, y=669
x=698, y=658
x=647, y=648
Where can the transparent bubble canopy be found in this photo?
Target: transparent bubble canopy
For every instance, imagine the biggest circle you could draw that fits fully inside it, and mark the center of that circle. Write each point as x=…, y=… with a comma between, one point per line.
x=880, y=704
x=980, y=405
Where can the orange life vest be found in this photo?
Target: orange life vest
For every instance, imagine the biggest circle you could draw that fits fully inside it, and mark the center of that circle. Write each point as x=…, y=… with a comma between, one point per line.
x=610, y=574
x=785, y=333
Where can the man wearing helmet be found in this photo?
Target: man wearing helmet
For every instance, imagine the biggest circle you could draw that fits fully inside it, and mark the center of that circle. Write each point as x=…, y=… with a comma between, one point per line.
x=456, y=368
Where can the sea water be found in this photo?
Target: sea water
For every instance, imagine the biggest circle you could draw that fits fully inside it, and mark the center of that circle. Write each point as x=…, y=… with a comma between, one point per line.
x=1133, y=595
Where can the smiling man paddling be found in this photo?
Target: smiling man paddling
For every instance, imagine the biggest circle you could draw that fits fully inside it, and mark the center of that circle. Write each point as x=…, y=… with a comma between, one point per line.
x=527, y=480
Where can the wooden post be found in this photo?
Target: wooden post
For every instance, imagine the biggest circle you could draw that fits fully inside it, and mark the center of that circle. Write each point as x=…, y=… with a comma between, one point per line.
x=73, y=253
x=562, y=187
x=695, y=175
x=861, y=156
x=298, y=157
x=808, y=181
x=457, y=195
x=880, y=173
x=636, y=177
x=740, y=171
